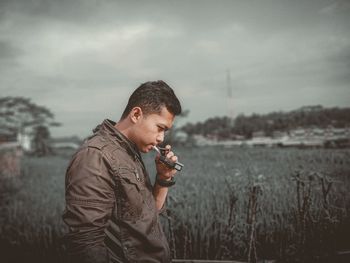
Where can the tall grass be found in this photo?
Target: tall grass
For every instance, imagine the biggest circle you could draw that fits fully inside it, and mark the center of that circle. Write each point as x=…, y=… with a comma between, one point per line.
x=286, y=204
x=211, y=205
x=31, y=206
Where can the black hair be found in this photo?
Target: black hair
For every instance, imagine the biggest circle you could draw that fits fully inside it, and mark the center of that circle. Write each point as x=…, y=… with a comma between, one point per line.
x=151, y=97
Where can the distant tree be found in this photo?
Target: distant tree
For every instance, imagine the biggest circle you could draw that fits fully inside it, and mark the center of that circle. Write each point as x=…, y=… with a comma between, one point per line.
x=219, y=126
x=244, y=126
x=171, y=135
x=19, y=113
x=308, y=116
x=41, y=141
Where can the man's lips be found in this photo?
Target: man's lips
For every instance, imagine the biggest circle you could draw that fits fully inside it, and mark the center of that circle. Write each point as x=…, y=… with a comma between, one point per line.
x=150, y=147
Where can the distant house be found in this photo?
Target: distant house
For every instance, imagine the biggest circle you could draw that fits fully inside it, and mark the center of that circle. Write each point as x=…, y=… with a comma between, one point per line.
x=62, y=143
x=10, y=159
x=258, y=134
x=300, y=132
x=22, y=138
x=311, y=108
x=6, y=135
x=318, y=137
x=10, y=153
x=181, y=137
x=279, y=134
x=200, y=140
x=238, y=137
x=318, y=132
x=25, y=138
x=261, y=141
x=341, y=132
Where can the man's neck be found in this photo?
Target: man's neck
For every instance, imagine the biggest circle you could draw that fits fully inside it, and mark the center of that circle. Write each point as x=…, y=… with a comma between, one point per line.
x=124, y=128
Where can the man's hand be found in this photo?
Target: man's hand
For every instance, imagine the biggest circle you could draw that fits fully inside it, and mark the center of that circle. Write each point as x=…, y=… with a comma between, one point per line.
x=163, y=171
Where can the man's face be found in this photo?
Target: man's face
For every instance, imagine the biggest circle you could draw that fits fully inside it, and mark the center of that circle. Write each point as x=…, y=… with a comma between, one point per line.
x=150, y=129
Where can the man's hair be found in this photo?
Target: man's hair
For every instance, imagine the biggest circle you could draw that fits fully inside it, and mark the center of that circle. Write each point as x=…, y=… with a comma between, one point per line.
x=151, y=97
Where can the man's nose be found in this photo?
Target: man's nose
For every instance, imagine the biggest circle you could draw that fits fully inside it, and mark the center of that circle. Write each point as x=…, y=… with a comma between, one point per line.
x=160, y=137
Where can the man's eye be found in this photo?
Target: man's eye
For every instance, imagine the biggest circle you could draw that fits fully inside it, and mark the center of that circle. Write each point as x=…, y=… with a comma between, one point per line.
x=162, y=129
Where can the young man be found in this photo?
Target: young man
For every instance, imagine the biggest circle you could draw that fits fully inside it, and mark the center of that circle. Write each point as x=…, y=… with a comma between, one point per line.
x=112, y=209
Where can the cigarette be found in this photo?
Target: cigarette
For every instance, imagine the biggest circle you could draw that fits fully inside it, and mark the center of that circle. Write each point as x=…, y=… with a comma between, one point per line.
x=155, y=148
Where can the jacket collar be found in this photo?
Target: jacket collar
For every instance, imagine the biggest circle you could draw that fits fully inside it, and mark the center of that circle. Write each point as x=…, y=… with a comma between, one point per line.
x=108, y=127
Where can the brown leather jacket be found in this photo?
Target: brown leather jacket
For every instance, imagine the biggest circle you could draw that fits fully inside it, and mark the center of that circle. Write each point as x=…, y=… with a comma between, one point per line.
x=110, y=209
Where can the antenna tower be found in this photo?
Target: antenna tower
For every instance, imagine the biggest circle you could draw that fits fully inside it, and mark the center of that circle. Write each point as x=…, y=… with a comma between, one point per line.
x=229, y=98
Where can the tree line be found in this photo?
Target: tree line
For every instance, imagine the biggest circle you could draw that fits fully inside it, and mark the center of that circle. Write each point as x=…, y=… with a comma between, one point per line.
x=305, y=117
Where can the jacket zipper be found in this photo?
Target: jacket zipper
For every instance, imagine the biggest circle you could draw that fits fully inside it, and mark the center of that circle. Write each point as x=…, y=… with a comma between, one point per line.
x=137, y=176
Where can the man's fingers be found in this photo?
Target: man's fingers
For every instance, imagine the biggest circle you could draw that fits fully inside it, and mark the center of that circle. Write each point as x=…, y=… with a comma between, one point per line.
x=170, y=154
x=157, y=157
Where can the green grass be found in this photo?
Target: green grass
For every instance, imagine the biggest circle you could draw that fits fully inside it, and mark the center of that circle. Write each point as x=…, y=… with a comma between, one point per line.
x=208, y=207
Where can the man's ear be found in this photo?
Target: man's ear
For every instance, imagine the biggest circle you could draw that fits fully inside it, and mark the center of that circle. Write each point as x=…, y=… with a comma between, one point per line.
x=136, y=114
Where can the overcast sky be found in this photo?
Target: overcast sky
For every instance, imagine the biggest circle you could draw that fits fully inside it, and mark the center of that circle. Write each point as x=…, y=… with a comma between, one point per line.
x=82, y=59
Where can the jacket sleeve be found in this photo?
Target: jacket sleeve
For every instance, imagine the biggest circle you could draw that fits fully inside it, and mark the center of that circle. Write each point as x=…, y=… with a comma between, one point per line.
x=89, y=204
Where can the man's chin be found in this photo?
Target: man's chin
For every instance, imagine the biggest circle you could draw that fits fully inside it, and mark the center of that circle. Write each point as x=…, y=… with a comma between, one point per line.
x=144, y=150
x=147, y=149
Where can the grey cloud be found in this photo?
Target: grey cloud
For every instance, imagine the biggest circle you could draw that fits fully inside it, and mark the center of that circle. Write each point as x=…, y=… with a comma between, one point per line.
x=198, y=15
x=85, y=57
x=8, y=56
x=8, y=51
x=339, y=65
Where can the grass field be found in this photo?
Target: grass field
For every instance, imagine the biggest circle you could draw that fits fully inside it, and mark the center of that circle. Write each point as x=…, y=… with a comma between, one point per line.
x=286, y=204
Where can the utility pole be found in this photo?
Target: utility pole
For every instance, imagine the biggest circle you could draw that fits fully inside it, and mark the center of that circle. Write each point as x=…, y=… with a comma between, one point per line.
x=230, y=101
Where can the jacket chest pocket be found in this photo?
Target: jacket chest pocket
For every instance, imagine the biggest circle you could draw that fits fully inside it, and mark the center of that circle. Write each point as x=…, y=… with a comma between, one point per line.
x=129, y=193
